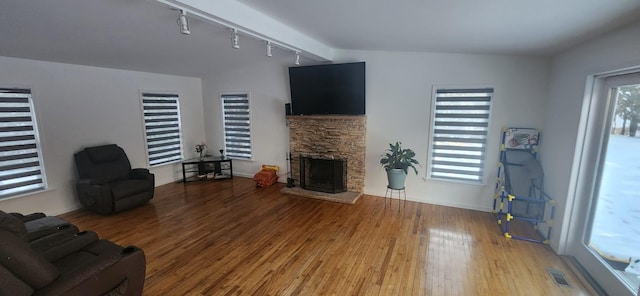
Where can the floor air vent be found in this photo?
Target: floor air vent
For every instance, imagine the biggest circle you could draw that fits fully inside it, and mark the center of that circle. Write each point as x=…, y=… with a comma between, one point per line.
x=558, y=277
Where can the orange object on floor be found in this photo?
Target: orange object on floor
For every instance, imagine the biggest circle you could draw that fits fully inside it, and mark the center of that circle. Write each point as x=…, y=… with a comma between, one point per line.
x=267, y=176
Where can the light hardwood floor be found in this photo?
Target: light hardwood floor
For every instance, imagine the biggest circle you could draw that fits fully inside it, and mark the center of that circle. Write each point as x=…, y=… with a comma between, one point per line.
x=230, y=238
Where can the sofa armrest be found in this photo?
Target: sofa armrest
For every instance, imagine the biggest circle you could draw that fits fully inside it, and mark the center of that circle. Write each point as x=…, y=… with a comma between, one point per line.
x=144, y=174
x=25, y=263
x=29, y=217
x=140, y=173
x=94, y=196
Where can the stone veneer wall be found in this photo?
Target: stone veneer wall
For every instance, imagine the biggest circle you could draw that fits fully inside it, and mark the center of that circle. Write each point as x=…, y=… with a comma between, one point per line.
x=327, y=136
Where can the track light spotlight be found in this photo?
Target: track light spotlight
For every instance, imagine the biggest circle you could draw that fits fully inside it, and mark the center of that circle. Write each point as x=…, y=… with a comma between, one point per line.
x=269, y=47
x=234, y=38
x=183, y=22
x=297, y=62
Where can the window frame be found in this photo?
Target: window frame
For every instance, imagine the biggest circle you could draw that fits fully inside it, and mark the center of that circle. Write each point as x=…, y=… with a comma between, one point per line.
x=482, y=175
x=156, y=94
x=36, y=141
x=224, y=136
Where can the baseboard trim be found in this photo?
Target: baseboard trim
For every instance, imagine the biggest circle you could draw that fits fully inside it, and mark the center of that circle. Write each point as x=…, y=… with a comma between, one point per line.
x=474, y=207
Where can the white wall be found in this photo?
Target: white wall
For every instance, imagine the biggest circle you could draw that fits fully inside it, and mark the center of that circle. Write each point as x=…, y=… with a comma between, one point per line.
x=399, y=86
x=79, y=106
x=568, y=76
x=399, y=91
x=267, y=82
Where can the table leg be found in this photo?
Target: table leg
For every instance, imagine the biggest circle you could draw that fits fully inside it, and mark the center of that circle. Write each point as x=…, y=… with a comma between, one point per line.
x=184, y=175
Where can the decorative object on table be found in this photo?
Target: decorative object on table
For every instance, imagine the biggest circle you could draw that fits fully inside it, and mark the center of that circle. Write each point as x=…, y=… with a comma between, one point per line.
x=201, y=149
x=221, y=153
x=397, y=162
x=267, y=176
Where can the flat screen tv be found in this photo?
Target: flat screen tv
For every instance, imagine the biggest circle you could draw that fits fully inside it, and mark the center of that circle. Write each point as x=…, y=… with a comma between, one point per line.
x=332, y=89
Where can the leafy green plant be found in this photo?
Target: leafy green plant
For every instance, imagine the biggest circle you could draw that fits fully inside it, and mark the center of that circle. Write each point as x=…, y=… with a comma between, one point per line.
x=398, y=158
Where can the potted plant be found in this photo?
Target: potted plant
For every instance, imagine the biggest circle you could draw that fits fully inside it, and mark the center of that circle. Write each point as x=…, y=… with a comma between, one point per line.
x=397, y=162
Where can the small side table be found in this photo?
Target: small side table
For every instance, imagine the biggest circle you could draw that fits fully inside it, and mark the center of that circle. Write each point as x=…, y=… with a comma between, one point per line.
x=221, y=168
x=389, y=189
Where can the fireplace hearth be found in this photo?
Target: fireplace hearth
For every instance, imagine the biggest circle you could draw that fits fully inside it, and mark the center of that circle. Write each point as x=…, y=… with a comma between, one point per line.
x=323, y=175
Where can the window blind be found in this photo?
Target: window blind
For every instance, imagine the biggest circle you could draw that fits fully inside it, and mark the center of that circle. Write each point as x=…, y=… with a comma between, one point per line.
x=237, y=126
x=460, y=128
x=162, y=128
x=21, y=168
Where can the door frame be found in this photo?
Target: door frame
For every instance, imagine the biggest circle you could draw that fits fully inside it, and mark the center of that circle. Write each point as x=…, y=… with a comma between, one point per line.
x=593, y=133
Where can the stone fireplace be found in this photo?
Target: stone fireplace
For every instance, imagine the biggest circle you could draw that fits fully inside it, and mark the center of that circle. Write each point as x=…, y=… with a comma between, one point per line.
x=329, y=137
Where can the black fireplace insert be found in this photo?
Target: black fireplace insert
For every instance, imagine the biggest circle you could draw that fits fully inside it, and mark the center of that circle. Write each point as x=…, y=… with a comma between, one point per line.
x=324, y=175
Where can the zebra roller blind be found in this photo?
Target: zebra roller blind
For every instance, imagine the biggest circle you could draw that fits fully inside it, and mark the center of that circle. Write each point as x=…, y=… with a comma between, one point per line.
x=162, y=128
x=460, y=128
x=237, y=126
x=21, y=168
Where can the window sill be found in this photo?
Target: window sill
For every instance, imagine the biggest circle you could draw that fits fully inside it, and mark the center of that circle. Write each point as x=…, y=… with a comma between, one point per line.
x=166, y=163
x=21, y=195
x=470, y=183
x=242, y=159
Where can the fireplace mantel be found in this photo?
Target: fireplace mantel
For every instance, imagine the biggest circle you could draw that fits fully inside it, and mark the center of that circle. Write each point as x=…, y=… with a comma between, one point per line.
x=348, y=117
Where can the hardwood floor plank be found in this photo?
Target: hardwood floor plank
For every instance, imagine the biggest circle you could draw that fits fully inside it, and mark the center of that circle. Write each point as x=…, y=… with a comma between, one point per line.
x=231, y=238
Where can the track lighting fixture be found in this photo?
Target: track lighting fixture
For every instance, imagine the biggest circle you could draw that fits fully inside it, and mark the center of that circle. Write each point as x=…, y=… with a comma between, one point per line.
x=183, y=25
x=269, y=47
x=183, y=22
x=234, y=38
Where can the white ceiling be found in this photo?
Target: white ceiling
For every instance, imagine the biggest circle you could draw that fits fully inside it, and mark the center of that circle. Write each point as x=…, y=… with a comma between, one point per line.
x=143, y=35
x=540, y=27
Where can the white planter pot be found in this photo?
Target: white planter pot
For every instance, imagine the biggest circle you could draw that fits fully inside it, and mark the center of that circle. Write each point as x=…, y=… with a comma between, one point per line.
x=396, y=178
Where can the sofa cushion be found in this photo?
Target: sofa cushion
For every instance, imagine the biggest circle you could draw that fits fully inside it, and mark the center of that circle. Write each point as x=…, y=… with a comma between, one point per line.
x=13, y=224
x=126, y=188
x=58, y=245
x=98, y=269
x=17, y=257
x=105, y=153
x=103, y=164
x=80, y=265
x=109, y=172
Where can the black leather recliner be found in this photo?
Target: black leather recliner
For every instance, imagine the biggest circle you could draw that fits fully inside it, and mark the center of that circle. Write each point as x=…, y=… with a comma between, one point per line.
x=107, y=183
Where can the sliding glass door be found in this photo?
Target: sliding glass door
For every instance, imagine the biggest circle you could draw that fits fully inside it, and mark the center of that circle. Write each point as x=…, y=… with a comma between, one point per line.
x=606, y=222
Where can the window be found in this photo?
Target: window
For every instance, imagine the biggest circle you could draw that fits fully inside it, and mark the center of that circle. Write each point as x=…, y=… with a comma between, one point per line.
x=21, y=168
x=162, y=128
x=237, y=126
x=459, y=128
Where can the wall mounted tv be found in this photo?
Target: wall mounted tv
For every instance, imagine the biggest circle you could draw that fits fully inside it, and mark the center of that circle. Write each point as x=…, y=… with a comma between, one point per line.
x=332, y=89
